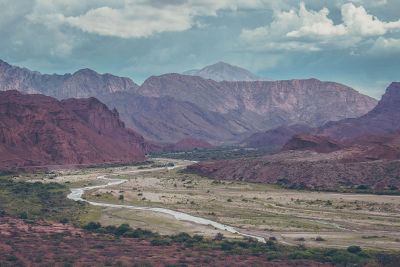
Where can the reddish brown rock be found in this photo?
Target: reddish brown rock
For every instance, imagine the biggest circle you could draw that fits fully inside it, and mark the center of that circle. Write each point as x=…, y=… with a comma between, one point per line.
x=37, y=130
x=321, y=144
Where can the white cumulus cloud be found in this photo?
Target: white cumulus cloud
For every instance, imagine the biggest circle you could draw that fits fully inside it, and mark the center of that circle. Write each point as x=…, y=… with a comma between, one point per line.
x=315, y=30
x=132, y=18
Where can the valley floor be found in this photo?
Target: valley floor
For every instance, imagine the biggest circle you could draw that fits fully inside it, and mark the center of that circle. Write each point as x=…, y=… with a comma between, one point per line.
x=292, y=217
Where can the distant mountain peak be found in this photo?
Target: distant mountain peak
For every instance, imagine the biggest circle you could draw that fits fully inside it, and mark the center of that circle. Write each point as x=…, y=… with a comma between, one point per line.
x=86, y=71
x=390, y=100
x=393, y=89
x=222, y=71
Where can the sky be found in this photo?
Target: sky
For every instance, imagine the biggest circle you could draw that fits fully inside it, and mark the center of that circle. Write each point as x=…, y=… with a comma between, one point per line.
x=353, y=42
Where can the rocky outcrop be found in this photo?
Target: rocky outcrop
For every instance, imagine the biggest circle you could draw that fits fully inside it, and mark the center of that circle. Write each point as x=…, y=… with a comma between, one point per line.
x=81, y=84
x=37, y=130
x=321, y=144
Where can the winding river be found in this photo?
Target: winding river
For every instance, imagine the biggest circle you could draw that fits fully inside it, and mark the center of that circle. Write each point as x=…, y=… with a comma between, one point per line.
x=77, y=193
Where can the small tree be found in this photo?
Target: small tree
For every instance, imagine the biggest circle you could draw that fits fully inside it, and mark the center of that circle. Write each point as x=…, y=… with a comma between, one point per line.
x=219, y=237
x=354, y=249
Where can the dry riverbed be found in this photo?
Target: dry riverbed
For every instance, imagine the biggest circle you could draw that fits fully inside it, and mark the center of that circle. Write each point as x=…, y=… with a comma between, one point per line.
x=293, y=217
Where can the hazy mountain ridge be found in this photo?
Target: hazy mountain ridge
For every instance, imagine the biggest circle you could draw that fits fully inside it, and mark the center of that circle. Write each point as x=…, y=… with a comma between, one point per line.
x=222, y=71
x=264, y=105
x=81, y=84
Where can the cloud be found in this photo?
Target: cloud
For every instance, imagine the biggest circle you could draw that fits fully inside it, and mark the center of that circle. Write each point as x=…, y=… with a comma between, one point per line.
x=315, y=30
x=385, y=45
x=132, y=18
x=357, y=21
x=311, y=23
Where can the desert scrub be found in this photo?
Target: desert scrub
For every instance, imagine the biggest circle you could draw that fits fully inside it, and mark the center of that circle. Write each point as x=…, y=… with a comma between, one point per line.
x=38, y=201
x=353, y=256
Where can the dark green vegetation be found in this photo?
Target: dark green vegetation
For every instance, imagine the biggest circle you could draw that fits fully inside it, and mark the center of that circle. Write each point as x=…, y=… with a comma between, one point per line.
x=218, y=153
x=352, y=256
x=38, y=201
x=113, y=165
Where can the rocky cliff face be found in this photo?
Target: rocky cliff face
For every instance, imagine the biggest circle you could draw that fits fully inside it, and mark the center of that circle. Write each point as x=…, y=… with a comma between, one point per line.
x=383, y=119
x=351, y=152
x=167, y=120
x=264, y=105
x=82, y=84
x=37, y=130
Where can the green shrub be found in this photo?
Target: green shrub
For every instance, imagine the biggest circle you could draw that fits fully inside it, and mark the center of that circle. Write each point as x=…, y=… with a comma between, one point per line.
x=23, y=215
x=354, y=249
x=181, y=237
x=92, y=226
x=226, y=245
x=160, y=242
x=219, y=237
x=122, y=229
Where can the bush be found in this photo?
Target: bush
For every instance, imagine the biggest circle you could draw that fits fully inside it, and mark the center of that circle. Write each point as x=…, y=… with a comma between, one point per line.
x=122, y=229
x=160, y=242
x=181, y=237
x=198, y=238
x=363, y=187
x=219, y=237
x=354, y=249
x=23, y=215
x=319, y=239
x=92, y=226
x=226, y=245
x=64, y=220
x=139, y=233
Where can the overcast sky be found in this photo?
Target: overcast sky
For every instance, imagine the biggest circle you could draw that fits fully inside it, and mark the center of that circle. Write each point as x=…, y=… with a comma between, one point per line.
x=354, y=42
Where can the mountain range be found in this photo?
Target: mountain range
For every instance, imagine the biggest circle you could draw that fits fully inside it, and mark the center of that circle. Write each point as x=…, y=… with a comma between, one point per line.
x=349, y=153
x=172, y=107
x=81, y=84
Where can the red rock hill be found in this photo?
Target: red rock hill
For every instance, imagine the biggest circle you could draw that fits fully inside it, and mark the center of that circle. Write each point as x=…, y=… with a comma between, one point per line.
x=37, y=130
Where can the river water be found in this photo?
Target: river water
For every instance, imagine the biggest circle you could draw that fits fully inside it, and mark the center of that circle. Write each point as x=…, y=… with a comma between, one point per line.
x=77, y=193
